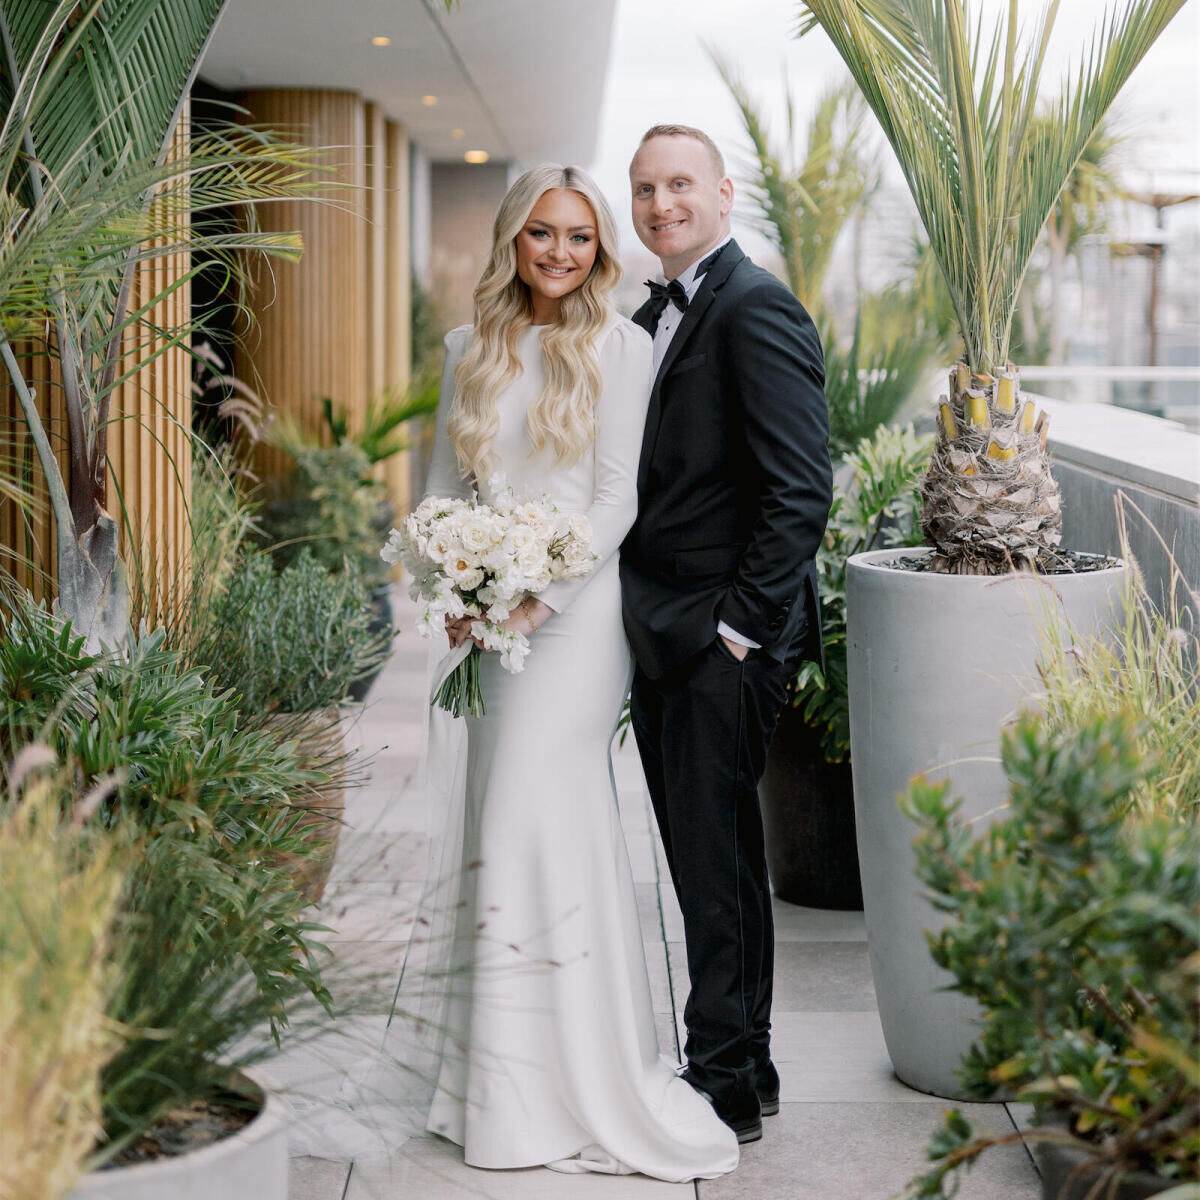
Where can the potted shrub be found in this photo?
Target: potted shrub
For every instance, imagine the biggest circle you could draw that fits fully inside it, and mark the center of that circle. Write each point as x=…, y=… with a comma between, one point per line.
x=337, y=513
x=290, y=644
x=942, y=643
x=806, y=791
x=211, y=952
x=1073, y=923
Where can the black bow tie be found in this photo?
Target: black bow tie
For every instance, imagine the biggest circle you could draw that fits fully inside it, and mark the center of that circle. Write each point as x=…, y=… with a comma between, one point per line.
x=662, y=294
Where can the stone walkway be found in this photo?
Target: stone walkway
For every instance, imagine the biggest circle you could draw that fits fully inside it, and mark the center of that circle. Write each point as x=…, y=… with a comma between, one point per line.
x=847, y=1128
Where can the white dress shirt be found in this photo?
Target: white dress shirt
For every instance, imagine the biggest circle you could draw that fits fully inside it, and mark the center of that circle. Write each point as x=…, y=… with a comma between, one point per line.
x=668, y=323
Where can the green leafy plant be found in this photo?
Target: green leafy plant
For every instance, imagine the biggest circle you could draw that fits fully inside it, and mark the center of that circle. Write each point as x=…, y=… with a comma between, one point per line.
x=1148, y=666
x=1077, y=930
x=212, y=951
x=382, y=435
x=804, y=197
x=292, y=641
x=960, y=109
x=333, y=511
x=876, y=502
x=867, y=384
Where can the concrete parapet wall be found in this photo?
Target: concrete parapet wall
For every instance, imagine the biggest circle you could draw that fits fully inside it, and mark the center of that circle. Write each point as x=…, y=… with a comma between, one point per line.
x=1101, y=451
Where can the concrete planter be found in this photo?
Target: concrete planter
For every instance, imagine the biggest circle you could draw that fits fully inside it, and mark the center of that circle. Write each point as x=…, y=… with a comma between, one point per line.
x=321, y=748
x=1071, y=1174
x=937, y=664
x=252, y=1164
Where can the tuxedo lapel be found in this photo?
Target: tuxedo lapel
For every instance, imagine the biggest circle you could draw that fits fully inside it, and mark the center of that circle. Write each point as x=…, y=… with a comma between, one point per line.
x=712, y=283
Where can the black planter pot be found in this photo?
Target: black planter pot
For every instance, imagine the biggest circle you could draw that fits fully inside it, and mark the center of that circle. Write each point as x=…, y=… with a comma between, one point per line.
x=1066, y=1177
x=379, y=603
x=808, y=816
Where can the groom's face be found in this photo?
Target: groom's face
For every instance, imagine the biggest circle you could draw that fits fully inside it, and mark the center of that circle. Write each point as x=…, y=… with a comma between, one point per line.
x=681, y=203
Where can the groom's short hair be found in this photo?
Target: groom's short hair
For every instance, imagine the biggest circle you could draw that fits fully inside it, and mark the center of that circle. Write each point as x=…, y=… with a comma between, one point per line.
x=692, y=132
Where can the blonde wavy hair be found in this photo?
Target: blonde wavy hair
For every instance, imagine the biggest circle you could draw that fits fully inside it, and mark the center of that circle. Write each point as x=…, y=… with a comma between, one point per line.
x=563, y=416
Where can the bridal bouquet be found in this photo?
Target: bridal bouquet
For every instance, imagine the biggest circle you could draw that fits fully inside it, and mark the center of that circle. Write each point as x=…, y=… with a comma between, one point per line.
x=469, y=559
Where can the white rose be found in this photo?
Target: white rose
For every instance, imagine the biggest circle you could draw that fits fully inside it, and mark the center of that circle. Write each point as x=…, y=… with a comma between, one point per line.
x=441, y=546
x=580, y=528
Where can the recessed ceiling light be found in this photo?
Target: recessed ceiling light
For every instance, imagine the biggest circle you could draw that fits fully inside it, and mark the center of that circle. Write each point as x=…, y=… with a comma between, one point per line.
x=458, y=133
x=381, y=41
x=476, y=156
x=429, y=101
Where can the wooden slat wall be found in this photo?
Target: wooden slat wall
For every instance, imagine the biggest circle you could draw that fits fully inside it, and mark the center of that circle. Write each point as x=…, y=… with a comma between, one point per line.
x=149, y=453
x=310, y=335
x=149, y=442
x=377, y=239
x=398, y=320
x=28, y=541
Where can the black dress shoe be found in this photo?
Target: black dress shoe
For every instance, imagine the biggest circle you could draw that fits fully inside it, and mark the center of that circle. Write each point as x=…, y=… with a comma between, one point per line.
x=766, y=1084
x=741, y=1112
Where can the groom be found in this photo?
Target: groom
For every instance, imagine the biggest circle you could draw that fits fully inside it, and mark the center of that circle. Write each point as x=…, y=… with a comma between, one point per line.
x=719, y=589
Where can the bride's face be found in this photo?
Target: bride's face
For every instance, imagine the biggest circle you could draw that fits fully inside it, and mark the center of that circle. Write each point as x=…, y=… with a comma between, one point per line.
x=556, y=249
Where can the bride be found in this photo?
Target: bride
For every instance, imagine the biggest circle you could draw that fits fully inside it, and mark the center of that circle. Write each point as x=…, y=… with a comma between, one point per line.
x=556, y=1058
x=546, y=1044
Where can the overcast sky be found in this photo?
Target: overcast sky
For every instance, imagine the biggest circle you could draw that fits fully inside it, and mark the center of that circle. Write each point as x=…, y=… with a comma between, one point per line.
x=660, y=72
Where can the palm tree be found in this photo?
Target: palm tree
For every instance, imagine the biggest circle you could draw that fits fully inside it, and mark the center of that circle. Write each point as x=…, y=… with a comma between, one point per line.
x=1079, y=212
x=805, y=195
x=91, y=95
x=959, y=108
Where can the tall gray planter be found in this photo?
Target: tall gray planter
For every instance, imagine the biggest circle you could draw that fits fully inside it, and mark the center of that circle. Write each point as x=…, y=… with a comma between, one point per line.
x=937, y=664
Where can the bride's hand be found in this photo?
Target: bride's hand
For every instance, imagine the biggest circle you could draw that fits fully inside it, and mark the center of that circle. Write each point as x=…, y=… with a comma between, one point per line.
x=458, y=630
x=529, y=616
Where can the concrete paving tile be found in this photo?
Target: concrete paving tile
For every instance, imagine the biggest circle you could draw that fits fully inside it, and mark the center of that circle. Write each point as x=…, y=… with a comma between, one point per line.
x=659, y=911
x=796, y=924
x=378, y=807
x=836, y=1056
x=627, y=768
x=660, y=980
x=318, y=1064
x=316, y=1179
x=672, y=918
x=376, y=911
x=372, y=857
x=669, y=1041
x=433, y=1169
x=642, y=857
x=366, y=971
x=863, y=1152
x=398, y=740
x=823, y=977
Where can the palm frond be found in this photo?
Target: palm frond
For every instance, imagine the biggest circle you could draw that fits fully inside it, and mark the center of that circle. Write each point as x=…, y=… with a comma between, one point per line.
x=958, y=109
x=805, y=193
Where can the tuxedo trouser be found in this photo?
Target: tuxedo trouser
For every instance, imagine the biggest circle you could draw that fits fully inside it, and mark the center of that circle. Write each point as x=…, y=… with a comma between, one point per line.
x=703, y=731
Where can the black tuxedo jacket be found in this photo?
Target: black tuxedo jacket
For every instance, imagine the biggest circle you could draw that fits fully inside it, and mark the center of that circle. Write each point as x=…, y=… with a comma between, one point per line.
x=735, y=482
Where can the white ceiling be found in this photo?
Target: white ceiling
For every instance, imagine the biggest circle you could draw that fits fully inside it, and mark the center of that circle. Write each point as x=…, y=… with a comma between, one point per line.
x=523, y=79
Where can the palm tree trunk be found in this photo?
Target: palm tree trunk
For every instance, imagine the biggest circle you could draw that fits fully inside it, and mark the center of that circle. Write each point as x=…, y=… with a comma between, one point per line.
x=93, y=590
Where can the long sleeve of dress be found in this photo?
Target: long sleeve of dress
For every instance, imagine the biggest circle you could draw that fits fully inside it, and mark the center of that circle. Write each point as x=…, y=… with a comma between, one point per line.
x=627, y=372
x=445, y=480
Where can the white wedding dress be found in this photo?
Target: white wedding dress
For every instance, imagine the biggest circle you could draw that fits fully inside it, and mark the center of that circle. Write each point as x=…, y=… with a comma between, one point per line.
x=540, y=1016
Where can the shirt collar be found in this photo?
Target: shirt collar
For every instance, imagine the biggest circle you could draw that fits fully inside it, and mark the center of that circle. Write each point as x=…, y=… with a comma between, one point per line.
x=687, y=279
